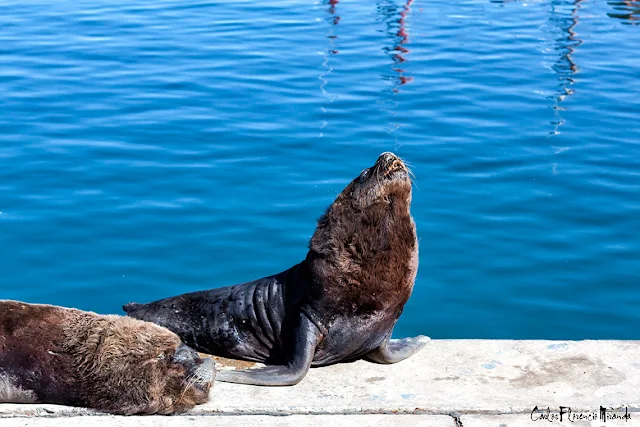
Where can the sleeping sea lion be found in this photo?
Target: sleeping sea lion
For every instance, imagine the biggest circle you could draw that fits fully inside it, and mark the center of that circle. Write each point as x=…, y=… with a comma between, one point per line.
x=115, y=364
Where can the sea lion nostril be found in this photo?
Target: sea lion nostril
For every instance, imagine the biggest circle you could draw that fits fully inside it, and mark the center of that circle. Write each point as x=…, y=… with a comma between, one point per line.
x=387, y=156
x=396, y=165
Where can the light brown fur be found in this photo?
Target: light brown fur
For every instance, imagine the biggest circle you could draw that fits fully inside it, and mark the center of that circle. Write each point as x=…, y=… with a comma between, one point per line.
x=111, y=363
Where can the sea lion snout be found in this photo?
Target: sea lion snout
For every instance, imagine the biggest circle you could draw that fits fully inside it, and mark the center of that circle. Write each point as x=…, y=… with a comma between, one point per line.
x=202, y=371
x=205, y=373
x=389, y=163
x=396, y=165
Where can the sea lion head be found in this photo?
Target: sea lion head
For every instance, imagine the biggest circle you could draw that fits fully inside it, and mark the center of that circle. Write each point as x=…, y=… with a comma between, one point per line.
x=129, y=366
x=386, y=182
x=363, y=253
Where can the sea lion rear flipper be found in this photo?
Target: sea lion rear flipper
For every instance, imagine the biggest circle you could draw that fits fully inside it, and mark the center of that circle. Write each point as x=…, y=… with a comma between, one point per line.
x=393, y=351
x=307, y=337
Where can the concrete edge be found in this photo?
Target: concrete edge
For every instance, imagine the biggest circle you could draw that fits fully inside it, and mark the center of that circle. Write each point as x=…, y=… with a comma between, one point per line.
x=452, y=378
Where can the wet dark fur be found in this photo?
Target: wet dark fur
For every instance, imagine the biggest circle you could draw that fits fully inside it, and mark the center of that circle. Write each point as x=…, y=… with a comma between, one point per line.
x=357, y=276
x=114, y=364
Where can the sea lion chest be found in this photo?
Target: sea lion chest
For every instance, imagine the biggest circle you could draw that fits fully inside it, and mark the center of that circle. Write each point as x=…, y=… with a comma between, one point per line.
x=356, y=316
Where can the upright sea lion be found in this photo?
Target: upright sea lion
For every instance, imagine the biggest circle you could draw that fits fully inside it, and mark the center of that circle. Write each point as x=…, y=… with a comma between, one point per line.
x=115, y=364
x=340, y=303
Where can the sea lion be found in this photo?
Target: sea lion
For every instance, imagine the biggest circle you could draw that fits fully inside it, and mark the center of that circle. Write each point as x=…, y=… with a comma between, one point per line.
x=339, y=304
x=115, y=364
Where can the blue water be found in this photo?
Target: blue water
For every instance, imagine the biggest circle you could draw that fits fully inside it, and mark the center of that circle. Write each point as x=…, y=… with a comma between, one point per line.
x=153, y=148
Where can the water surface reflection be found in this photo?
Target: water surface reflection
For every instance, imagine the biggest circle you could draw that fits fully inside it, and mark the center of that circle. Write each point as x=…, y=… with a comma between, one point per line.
x=331, y=50
x=394, y=18
x=627, y=11
x=564, y=21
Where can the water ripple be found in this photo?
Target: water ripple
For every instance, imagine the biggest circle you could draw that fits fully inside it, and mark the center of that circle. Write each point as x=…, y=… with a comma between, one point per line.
x=149, y=149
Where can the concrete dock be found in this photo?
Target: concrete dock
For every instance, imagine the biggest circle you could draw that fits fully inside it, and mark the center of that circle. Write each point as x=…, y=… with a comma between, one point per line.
x=455, y=383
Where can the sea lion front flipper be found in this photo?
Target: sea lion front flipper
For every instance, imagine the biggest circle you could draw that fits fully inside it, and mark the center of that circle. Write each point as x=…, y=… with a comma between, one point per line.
x=393, y=351
x=307, y=337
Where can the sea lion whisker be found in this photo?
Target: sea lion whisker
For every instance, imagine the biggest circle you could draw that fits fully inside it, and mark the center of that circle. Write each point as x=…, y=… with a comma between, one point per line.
x=189, y=384
x=412, y=178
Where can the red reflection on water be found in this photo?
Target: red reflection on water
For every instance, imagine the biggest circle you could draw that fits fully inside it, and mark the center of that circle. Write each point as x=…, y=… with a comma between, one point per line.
x=403, y=33
x=332, y=10
x=399, y=48
x=335, y=20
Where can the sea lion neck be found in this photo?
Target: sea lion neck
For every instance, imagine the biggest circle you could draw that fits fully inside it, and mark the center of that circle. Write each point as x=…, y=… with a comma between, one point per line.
x=363, y=259
x=351, y=228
